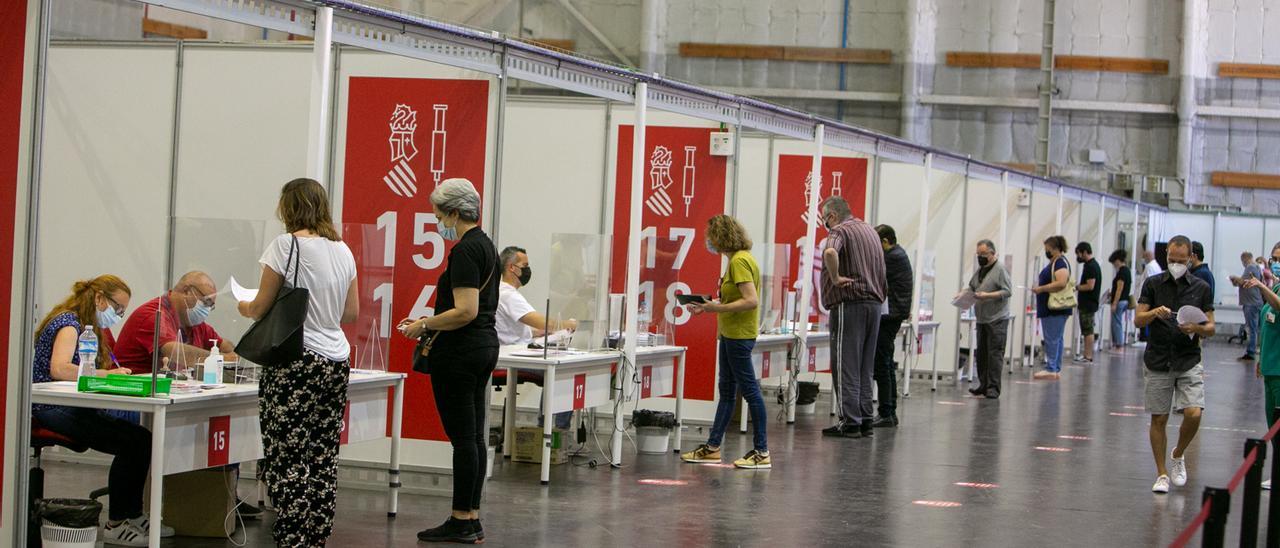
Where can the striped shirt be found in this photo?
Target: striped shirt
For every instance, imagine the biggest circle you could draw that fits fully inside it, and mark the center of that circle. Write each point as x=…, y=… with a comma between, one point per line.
x=861, y=258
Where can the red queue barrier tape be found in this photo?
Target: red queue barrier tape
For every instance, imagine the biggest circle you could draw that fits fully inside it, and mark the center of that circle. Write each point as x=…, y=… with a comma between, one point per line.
x=1196, y=524
x=1272, y=432
x=1244, y=469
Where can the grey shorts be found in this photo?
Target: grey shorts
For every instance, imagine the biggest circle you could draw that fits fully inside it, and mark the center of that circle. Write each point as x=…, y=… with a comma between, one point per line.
x=1169, y=390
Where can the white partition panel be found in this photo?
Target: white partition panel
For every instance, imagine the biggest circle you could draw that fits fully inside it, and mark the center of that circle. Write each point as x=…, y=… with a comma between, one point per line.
x=104, y=195
x=754, y=192
x=553, y=166
x=1197, y=226
x=947, y=248
x=1234, y=235
x=243, y=133
x=1271, y=236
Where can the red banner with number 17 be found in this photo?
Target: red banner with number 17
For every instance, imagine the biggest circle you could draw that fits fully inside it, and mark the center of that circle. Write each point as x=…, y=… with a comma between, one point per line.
x=684, y=186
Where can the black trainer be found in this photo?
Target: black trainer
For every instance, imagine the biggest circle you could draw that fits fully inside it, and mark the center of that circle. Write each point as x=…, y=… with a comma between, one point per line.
x=867, y=428
x=976, y=391
x=452, y=530
x=886, y=422
x=475, y=524
x=1248, y=357
x=993, y=395
x=248, y=511
x=836, y=429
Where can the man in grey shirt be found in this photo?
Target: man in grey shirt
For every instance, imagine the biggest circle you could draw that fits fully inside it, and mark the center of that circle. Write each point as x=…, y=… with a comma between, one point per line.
x=991, y=287
x=1250, y=302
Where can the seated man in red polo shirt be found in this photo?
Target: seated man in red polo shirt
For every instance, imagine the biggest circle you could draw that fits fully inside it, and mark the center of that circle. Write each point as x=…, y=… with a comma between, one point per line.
x=185, y=338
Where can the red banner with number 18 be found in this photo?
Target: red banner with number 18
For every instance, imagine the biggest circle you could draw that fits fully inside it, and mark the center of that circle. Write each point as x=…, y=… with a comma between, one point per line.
x=684, y=186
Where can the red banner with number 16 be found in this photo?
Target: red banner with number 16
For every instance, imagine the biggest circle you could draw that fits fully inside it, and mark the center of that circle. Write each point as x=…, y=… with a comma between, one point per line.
x=684, y=186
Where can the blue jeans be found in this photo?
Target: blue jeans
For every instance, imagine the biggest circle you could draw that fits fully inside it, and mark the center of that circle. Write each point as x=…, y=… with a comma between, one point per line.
x=1117, y=323
x=1053, y=327
x=738, y=375
x=1252, y=313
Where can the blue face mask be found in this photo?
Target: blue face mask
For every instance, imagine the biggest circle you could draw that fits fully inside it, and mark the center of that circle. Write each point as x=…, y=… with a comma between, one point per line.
x=1275, y=268
x=449, y=232
x=108, y=318
x=712, y=249
x=196, y=315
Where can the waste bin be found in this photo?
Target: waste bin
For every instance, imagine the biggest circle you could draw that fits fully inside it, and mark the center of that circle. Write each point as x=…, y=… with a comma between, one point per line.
x=68, y=523
x=806, y=398
x=653, y=430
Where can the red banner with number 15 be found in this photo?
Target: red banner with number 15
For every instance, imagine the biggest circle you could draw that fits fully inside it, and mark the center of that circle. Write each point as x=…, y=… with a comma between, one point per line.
x=684, y=186
x=404, y=136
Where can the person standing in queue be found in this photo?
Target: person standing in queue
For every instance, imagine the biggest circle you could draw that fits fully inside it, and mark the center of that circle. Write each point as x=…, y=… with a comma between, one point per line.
x=737, y=315
x=897, y=269
x=1173, y=374
x=853, y=289
x=991, y=287
x=1251, y=301
x=302, y=402
x=1090, y=297
x=1053, y=278
x=1121, y=289
x=464, y=353
x=1268, y=363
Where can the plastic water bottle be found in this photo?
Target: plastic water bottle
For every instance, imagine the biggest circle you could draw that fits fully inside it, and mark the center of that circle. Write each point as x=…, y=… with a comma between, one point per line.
x=87, y=347
x=213, y=366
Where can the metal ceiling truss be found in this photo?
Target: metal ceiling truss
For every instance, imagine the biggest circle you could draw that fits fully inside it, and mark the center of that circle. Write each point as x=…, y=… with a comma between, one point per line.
x=397, y=33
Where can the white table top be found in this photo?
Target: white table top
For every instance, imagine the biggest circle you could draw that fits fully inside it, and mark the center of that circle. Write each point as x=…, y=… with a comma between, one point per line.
x=786, y=338
x=520, y=357
x=65, y=393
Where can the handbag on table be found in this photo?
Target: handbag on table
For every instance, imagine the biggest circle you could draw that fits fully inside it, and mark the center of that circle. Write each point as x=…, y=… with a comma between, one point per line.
x=277, y=336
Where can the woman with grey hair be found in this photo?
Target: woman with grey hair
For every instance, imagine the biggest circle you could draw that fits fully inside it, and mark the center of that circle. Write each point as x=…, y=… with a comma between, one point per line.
x=464, y=353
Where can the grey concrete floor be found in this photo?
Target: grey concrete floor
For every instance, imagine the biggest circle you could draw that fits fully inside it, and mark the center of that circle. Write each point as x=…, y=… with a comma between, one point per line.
x=838, y=492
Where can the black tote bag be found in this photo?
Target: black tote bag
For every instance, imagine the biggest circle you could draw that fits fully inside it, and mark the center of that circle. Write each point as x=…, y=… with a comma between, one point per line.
x=276, y=337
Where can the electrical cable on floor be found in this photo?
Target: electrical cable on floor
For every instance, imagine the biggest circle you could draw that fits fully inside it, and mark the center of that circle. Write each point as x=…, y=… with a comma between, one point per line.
x=235, y=511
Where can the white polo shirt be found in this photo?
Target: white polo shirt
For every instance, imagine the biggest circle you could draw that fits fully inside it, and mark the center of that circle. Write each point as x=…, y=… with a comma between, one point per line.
x=511, y=307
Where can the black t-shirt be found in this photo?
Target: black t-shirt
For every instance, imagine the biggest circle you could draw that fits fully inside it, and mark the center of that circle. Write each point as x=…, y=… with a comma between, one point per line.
x=1126, y=276
x=1168, y=348
x=1089, y=299
x=472, y=263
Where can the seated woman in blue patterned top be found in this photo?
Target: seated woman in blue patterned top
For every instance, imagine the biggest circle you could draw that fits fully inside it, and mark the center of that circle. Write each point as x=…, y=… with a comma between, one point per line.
x=100, y=304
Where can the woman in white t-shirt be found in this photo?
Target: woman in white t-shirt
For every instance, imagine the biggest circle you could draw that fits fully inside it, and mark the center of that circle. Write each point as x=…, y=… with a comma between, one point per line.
x=302, y=402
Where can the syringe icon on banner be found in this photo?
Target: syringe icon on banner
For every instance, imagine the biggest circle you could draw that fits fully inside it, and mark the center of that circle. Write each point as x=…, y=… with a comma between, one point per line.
x=438, y=135
x=835, y=183
x=659, y=201
x=687, y=177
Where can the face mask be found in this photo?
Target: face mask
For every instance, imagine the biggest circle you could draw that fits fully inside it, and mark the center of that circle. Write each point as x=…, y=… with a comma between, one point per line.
x=449, y=232
x=1177, y=270
x=711, y=249
x=1275, y=268
x=983, y=261
x=108, y=318
x=1048, y=255
x=525, y=274
x=198, y=313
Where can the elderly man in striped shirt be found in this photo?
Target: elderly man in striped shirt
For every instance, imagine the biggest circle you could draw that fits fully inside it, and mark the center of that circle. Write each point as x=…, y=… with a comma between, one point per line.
x=853, y=290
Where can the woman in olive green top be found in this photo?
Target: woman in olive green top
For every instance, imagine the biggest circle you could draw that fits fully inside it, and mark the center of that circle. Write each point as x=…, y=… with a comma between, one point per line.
x=738, y=320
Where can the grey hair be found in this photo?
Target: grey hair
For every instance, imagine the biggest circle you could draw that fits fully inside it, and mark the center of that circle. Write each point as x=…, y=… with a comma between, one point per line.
x=990, y=245
x=458, y=196
x=508, y=255
x=836, y=205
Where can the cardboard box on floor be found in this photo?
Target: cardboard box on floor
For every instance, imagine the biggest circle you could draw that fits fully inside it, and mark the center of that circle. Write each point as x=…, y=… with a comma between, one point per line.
x=528, y=447
x=196, y=503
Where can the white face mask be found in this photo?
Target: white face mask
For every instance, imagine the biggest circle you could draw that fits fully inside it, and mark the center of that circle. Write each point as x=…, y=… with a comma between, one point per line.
x=1177, y=270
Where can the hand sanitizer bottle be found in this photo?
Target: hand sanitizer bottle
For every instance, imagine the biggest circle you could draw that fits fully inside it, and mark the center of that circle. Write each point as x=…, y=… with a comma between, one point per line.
x=213, y=366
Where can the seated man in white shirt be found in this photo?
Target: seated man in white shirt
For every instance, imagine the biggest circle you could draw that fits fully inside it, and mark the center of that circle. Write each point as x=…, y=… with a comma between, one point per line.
x=517, y=321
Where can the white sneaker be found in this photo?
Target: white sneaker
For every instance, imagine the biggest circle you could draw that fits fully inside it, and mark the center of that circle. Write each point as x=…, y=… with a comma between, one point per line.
x=126, y=533
x=144, y=523
x=1178, y=472
x=1266, y=485
x=1161, y=486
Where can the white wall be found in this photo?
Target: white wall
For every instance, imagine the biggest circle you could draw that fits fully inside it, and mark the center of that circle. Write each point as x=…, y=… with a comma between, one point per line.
x=105, y=174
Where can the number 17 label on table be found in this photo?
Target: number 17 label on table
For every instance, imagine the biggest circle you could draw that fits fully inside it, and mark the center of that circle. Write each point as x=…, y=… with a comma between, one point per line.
x=219, y=440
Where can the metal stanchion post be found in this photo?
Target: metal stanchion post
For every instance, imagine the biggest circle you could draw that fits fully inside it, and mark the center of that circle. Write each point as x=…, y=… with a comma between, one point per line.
x=1252, y=494
x=1215, y=527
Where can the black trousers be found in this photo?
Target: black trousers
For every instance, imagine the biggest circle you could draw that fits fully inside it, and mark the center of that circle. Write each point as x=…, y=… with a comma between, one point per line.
x=460, y=382
x=990, y=355
x=128, y=442
x=886, y=373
